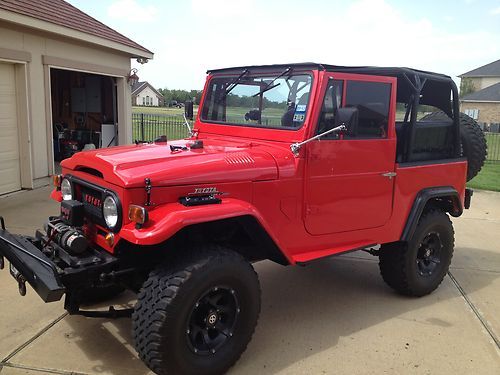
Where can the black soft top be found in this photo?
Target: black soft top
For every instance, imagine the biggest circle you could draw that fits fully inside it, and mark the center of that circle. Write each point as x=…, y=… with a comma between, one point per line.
x=432, y=88
x=371, y=70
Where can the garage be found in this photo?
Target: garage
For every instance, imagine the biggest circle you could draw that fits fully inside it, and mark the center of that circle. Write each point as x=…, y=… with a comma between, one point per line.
x=65, y=86
x=10, y=177
x=84, y=111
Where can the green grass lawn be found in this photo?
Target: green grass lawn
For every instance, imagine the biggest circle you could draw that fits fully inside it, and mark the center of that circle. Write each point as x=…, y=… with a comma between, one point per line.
x=161, y=110
x=488, y=178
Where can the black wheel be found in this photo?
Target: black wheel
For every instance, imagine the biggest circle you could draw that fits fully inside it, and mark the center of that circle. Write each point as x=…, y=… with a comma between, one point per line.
x=418, y=267
x=474, y=146
x=197, y=316
x=100, y=293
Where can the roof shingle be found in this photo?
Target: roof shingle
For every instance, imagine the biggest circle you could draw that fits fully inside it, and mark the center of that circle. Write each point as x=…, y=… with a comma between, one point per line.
x=61, y=13
x=488, y=94
x=139, y=86
x=489, y=70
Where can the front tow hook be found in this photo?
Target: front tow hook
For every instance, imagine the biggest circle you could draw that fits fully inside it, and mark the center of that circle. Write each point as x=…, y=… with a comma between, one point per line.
x=21, y=284
x=21, y=281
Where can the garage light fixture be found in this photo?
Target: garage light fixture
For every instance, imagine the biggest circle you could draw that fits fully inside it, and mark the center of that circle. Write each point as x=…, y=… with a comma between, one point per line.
x=132, y=77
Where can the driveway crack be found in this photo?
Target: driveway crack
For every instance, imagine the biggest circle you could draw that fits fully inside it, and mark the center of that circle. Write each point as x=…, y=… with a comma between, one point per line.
x=476, y=312
x=37, y=335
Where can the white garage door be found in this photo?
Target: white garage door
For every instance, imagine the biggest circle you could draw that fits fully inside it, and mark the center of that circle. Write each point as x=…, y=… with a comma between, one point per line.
x=10, y=176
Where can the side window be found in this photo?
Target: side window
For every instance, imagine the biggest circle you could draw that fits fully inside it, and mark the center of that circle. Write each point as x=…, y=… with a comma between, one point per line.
x=331, y=102
x=372, y=100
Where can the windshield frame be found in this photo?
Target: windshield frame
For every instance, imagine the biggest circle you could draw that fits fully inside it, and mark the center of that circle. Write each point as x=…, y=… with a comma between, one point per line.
x=259, y=73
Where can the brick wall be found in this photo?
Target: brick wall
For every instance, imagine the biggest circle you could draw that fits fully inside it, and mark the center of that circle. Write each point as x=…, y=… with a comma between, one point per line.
x=488, y=112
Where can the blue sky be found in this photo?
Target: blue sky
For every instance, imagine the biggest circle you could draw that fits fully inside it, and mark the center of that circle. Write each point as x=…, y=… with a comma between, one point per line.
x=188, y=37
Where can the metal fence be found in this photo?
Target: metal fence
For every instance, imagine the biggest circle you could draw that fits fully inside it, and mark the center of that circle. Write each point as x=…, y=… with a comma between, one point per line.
x=148, y=127
x=493, y=140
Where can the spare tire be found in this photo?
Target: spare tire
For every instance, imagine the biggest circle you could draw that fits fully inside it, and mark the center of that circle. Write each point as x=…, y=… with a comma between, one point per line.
x=472, y=139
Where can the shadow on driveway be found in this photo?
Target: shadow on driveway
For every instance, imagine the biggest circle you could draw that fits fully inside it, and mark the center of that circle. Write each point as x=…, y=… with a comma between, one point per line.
x=304, y=311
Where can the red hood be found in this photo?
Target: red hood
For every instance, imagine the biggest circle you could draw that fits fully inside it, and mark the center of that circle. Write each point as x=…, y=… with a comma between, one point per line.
x=218, y=161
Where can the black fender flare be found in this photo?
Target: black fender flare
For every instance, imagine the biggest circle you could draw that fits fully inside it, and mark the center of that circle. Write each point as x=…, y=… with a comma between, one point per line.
x=445, y=197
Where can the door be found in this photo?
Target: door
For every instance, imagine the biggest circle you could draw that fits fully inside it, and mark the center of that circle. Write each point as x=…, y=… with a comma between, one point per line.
x=350, y=178
x=10, y=175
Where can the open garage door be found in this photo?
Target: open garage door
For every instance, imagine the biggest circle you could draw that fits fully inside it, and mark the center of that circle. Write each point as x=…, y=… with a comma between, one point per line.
x=10, y=174
x=84, y=112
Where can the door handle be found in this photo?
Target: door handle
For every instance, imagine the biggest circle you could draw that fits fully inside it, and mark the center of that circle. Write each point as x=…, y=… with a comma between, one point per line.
x=390, y=175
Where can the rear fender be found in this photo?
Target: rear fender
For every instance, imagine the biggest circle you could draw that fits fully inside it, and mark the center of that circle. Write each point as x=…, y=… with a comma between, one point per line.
x=165, y=221
x=443, y=197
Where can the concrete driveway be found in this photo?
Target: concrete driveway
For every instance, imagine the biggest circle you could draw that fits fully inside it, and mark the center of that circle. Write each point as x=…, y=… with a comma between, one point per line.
x=334, y=317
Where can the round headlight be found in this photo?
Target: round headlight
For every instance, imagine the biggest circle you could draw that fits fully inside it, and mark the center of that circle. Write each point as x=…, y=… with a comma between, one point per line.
x=110, y=211
x=66, y=190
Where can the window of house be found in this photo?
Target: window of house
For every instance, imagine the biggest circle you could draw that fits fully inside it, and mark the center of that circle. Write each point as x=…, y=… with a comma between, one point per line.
x=372, y=100
x=143, y=101
x=474, y=113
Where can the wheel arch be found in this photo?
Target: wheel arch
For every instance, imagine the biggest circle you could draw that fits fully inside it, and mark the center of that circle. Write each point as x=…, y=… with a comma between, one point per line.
x=232, y=222
x=243, y=234
x=445, y=198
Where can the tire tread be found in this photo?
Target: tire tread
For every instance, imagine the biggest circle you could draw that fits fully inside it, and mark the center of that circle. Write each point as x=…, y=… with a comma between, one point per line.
x=155, y=300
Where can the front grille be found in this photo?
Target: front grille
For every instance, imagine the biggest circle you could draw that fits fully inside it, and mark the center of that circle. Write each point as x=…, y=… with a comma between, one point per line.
x=92, y=196
x=92, y=201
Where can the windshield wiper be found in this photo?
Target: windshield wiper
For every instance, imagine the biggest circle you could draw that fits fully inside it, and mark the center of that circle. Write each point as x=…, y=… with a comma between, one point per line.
x=232, y=85
x=270, y=85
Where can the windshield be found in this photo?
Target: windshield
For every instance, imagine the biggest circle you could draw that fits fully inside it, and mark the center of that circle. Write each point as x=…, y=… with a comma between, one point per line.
x=275, y=101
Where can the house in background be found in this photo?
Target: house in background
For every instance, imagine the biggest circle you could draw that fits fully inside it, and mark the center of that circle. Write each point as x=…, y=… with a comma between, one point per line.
x=483, y=102
x=64, y=77
x=144, y=94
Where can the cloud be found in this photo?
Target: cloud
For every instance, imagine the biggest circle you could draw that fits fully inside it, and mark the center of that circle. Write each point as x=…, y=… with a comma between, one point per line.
x=365, y=32
x=131, y=10
x=495, y=11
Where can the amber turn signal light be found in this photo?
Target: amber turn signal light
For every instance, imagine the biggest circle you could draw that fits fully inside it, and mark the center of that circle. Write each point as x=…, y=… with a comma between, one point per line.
x=56, y=180
x=110, y=239
x=137, y=214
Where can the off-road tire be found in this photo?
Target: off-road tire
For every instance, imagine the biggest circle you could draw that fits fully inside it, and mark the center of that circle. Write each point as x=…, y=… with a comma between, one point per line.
x=100, y=293
x=399, y=262
x=473, y=141
x=166, y=303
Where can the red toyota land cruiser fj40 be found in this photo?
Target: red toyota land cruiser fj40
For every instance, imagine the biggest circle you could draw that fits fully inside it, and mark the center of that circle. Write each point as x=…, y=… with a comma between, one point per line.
x=290, y=163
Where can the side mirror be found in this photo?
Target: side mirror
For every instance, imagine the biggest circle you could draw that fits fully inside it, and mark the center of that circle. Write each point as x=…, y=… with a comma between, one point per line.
x=349, y=118
x=189, y=109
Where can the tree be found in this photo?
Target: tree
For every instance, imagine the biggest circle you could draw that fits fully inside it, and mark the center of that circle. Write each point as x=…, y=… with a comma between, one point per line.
x=180, y=96
x=466, y=87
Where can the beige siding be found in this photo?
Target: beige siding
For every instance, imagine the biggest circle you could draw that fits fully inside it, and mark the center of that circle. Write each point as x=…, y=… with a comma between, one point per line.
x=144, y=94
x=39, y=45
x=488, y=112
x=476, y=82
x=483, y=82
x=488, y=81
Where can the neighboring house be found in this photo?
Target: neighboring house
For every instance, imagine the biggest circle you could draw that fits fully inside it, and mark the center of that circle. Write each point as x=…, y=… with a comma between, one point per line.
x=145, y=94
x=59, y=69
x=483, y=103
